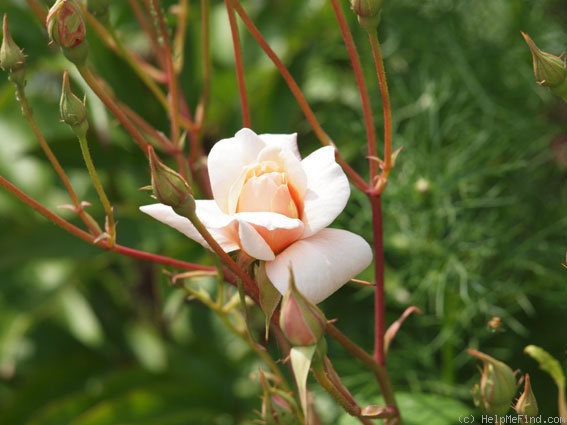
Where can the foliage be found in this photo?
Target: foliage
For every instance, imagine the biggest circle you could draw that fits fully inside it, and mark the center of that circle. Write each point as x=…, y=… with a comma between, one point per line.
x=474, y=215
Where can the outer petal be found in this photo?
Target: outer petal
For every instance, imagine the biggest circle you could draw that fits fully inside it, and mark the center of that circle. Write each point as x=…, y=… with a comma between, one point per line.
x=222, y=227
x=253, y=243
x=278, y=231
x=321, y=264
x=327, y=190
x=283, y=141
x=227, y=163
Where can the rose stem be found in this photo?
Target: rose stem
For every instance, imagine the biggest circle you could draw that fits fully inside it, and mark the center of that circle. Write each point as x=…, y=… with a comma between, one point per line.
x=356, y=180
x=101, y=243
x=26, y=111
x=99, y=189
x=362, y=90
x=239, y=66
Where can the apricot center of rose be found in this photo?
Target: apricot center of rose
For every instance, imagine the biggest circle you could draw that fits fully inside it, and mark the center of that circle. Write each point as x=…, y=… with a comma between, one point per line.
x=267, y=189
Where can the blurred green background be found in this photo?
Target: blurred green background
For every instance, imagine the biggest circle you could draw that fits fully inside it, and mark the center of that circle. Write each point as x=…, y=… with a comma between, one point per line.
x=475, y=221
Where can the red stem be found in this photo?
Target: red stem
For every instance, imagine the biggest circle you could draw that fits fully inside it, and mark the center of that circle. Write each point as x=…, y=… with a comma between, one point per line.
x=379, y=302
x=387, y=110
x=299, y=97
x=148, y=29
x=171, y=77
x=362, y=90
x=87, y=237
x=246, y=122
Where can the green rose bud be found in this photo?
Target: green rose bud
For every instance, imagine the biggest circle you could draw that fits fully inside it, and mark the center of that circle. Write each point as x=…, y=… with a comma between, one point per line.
x=169, y=187
x=278, y=407
x=301, y=321
x=12, y=58
x=72, y=109
x=549, y=70
x=527, y=403
x=497, y=385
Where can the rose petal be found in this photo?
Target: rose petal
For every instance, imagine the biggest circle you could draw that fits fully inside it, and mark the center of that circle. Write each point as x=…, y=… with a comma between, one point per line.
x=327, y=190
x=221, y=226
x=321, y=264
x=227, y=164
x=253, y=243
x=277, y=230
x=286, y=142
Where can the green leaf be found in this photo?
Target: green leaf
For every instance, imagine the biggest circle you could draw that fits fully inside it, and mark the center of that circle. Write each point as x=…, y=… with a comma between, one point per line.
x=147, y=346
x=301, y=362
x=80, y=318
x=547, y=363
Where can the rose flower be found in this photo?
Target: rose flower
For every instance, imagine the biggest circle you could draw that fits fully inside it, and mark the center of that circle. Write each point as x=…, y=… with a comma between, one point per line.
x=276, y=207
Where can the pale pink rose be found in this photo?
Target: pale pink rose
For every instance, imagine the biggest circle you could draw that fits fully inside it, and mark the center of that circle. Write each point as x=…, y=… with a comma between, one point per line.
x=275, y=207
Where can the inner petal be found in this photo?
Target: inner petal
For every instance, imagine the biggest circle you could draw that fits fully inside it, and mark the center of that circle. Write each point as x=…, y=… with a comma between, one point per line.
x=268, y=192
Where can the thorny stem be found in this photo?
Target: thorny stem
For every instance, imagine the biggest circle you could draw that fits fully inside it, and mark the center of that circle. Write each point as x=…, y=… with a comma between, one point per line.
x=362, y=90
x=172, y=83
x=93, y=240
x=325, y=378
x=156, y=136
x=143, y=70
x=146, y=72
x=206, y=64
x=380, y=371
x=387, y=111
x=249, y=284
x=298, y=94
x=147, y=28
x=246, y=122
x=111, y=104
x=180, y=33
x=244, y=335
x=77, y=205
x=40, y=10
x=379, y=302
x=111, y=226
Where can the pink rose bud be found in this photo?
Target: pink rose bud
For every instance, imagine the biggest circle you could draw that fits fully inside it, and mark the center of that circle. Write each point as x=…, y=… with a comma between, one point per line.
x=66, y=28
x=169, y=187
x=527, y=403
x=368, y=12
x=72, y=109
x=278, y=407
x=497, y=385
x=301, y=321
x=12, y=58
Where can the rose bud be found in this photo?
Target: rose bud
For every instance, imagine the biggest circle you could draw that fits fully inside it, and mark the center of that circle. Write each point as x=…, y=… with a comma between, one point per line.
x=527, y=403
x=549, y=70
x=497, y=385
x=72, y=109
x=12, y=58
x=169, y=187
x=368, y=12
x=66, y=28
x=301, y=321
